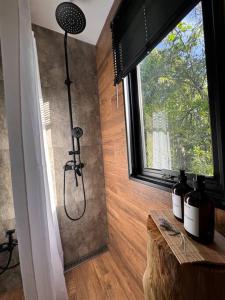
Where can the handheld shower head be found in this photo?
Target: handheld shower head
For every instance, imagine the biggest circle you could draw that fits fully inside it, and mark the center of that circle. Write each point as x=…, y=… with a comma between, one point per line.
x=77, y=132
x=70, y=18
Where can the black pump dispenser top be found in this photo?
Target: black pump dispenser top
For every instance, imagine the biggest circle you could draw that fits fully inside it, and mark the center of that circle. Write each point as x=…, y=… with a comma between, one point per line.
x=182, y=177
x=199, y=183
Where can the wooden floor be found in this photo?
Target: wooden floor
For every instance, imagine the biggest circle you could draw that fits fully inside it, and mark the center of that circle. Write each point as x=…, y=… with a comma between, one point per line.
x=101, y=278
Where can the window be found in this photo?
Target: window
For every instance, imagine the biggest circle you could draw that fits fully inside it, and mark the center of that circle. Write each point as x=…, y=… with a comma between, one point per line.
x=173, y=105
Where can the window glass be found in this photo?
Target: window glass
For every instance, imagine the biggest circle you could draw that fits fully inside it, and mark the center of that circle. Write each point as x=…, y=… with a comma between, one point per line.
x=174, y=103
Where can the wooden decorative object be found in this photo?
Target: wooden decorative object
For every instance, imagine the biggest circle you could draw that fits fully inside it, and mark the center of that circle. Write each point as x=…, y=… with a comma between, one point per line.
x=188, y=250
x=166, y=279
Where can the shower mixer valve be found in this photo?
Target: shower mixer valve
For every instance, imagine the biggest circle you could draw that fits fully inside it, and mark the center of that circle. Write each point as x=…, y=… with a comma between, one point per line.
x=8, y=247
x=73, y=166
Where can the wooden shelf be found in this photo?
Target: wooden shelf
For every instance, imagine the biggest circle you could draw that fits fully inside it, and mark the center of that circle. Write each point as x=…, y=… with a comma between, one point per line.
x=169, y=276
x=185, y=249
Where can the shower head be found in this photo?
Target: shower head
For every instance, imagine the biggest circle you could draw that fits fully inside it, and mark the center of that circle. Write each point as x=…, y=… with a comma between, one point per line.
x=70, y=18
x=77, y=132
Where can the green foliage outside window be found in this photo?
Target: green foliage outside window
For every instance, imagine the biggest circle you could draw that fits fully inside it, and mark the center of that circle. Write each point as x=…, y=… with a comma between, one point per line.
x=174, y=85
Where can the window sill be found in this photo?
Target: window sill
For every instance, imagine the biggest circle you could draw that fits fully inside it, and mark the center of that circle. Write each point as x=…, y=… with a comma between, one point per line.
x=166, y=185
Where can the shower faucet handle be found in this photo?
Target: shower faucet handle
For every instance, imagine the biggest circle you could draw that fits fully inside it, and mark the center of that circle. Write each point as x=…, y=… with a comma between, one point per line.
x=10, y=232
x=74, y=152
x=68, y=167
x=81, y=165
x=11, y=241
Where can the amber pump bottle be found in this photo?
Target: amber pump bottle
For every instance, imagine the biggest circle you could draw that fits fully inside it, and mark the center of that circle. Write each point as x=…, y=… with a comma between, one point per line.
x=199, y=213
x=178, y=192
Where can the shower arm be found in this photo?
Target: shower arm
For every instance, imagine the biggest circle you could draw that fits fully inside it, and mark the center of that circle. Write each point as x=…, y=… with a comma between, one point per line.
x=68, y=83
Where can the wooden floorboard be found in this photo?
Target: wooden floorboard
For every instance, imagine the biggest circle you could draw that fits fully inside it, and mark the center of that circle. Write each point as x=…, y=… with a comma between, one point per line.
x=104, y=277
x=16, y=294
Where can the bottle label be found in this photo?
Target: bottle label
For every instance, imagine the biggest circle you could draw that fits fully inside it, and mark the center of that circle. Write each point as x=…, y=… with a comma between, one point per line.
x=177, y=206
x=191, y=219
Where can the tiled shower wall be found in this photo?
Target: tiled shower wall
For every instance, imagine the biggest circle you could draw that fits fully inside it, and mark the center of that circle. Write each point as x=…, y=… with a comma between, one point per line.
x=88, y=235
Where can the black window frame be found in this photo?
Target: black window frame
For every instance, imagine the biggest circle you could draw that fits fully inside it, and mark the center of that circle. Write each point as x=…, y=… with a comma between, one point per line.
x=213, y=23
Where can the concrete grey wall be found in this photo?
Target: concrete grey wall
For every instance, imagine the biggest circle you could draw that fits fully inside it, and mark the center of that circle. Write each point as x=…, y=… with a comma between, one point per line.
x=88, y=235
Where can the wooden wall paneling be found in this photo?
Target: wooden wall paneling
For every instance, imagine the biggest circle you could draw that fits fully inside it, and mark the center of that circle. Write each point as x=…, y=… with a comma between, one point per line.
x=128, y=202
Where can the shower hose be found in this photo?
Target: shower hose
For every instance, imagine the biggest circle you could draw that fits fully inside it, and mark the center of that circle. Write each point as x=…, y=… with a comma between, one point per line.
x=70, y=166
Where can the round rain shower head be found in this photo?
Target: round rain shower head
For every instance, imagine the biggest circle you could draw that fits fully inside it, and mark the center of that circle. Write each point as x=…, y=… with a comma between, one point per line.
x=70, y=17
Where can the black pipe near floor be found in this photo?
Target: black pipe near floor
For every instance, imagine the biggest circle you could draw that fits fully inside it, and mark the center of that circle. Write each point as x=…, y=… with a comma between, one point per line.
x=8, y=247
